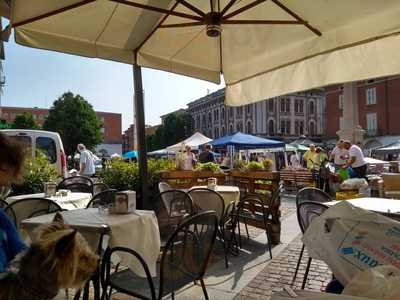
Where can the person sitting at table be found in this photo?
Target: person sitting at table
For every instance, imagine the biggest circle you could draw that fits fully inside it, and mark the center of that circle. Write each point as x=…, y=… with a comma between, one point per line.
x=11, y=167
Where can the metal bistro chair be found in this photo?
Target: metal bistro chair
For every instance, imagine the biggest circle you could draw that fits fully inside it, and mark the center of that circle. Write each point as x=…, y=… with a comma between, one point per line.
x=306, y=212
x=206, y=199
x=171, y=207
x=164, y=186
x=77, y=184
x=103, y=198
x=22, y=209
x=99, y=187
x=183, y=260
x=312, y=194
x=3, y=204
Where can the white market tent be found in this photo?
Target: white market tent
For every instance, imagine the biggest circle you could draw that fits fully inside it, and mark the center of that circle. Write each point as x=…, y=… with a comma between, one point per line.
x=194, y=141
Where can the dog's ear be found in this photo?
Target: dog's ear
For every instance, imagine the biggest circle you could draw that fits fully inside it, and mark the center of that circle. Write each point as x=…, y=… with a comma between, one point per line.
x=65, y=243
x=58, y=218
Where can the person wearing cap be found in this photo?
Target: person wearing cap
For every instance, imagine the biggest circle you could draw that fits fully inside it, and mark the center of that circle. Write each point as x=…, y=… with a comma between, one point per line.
x=339, y=154
x=356, y=159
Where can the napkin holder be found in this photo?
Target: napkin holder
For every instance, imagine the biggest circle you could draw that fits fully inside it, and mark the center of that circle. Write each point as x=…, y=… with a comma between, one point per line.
x=124, y=203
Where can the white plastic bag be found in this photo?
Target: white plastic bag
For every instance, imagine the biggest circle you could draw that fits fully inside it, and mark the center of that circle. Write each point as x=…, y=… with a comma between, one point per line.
x=381, y=283
x=350, y=239
x=354, y=184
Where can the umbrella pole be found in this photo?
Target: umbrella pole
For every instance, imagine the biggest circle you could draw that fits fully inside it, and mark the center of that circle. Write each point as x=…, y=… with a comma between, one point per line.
x=140, y=132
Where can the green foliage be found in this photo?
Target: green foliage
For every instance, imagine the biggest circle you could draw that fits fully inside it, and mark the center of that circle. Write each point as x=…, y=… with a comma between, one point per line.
x=176, y=127
x=239, y=164
x=122, y=175
x=75, y=120
x=24, y=121
x=37, y=171
x=210, y=166
x=254, y=166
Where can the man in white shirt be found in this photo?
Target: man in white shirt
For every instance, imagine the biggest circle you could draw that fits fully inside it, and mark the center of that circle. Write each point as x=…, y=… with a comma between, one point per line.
x=339, y=154
x=86, y=162
x=356, y=160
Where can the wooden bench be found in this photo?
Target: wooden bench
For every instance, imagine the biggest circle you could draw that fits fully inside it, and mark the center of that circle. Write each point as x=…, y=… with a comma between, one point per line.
x=295, y=179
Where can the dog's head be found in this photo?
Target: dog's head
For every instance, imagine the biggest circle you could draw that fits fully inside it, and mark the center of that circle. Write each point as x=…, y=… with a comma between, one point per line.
x=66, y=255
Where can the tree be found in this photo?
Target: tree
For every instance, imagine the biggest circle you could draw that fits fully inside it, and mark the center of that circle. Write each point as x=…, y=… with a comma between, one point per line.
x=75, y=120
x=175, y=128
x=24, y=121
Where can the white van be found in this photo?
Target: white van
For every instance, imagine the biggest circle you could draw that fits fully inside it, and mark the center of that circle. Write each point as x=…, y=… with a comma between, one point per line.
x=47, y=142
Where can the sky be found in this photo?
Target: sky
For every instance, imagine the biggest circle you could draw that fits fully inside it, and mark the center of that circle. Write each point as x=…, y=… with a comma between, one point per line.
x=35, y=78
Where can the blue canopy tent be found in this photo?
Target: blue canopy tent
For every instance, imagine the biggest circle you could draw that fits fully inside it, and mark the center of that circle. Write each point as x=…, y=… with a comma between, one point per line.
x=130, y=155
x=242, y=141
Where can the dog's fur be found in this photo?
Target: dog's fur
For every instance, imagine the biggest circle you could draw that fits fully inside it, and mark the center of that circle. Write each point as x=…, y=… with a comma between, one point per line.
x=58, y=258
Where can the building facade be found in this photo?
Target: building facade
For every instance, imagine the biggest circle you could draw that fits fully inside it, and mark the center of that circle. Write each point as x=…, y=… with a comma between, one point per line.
x=129, y=137
x=285, y=117
x=111, y=125
x=378, y=104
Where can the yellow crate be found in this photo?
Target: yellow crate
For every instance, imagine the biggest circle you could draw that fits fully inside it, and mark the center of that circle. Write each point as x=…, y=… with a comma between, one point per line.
x=346, y=195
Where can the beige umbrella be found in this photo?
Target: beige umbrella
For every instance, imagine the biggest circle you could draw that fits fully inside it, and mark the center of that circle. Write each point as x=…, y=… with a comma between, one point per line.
x=263, y=48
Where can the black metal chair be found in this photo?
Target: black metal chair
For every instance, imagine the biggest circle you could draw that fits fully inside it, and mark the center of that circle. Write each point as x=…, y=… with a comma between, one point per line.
x=306, y=212
x=103, y=198
x=77, y=184
x=206, y=199
x=170, y=208
x=251, y=209
x=312, y=194
x=183, y=260
x=99, y=187
x=22, y=209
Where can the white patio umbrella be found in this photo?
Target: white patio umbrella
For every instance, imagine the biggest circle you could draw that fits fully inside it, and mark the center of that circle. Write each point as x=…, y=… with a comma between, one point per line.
x=194, y=141
x=262, y=48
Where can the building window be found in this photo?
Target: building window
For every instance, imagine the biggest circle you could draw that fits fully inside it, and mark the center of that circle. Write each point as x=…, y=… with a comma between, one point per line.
x=216, y=132
x=282, y=102
x=371, y=96
x=341, y=101
x=271, y=128
x=231, y=128
x=248, y=127
x=271, y=105
x=203, y=121
x=311, y=108
x=198, y=121
x=248, y=109
x=223, y=131
x=299, y=128
x=312, y=130
x=230, y=112
x=371, y=123
x=285, y=127
x=223, y=114
x=285, y=105
x=298, y=106
x=239, y=111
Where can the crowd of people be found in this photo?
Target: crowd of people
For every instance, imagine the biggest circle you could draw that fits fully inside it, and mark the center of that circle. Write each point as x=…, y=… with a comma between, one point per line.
x=346, y=157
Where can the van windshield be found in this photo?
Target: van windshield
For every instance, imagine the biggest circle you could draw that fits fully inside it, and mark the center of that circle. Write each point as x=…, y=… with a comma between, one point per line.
x=47, y=146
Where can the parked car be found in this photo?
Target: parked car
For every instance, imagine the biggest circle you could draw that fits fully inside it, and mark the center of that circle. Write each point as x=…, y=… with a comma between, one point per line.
x=49, y=143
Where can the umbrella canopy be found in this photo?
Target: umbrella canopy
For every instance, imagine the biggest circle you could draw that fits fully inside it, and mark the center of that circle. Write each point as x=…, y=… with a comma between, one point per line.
x=374, y=161
x=160, y=152
x=392, y=148
x=193, y=141
x=130, y=154
x=296, y=147
x=262, y=48
x=246, y=141
x=303, y=141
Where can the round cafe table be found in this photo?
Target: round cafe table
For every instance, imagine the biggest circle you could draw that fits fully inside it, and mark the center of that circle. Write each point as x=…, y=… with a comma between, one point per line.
x=71, y=201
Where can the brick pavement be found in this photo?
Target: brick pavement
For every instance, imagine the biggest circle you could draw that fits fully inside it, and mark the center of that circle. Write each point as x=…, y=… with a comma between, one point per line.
x=279, y=273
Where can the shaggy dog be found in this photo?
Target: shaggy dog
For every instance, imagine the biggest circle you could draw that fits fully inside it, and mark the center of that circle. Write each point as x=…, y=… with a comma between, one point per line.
x=58, y=258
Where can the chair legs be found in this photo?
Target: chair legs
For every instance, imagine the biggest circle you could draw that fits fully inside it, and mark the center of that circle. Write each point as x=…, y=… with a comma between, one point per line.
x=268, y=233
x=203, y=286
x=306, y=274
x=298, y=264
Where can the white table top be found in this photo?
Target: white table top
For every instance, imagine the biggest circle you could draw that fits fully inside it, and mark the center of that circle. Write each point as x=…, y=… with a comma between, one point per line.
x=380, y=205
x=71, y=201
x=220, y=188
x=138, y=231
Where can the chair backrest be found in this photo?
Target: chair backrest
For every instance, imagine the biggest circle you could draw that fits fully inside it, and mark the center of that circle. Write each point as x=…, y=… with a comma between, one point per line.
x=164, y=186
x=252, y=207
x=5, y=190
x=99, y=187
x=307, y=211
x=22, y=209
x=170, y=208
x=77, y=184
x=391, y=181
x=103, y=198
x=312, y=194
x=187, y=252
x=206, y=199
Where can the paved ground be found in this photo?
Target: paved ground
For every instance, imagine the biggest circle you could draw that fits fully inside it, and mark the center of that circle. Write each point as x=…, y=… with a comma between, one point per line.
x=252, y=275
